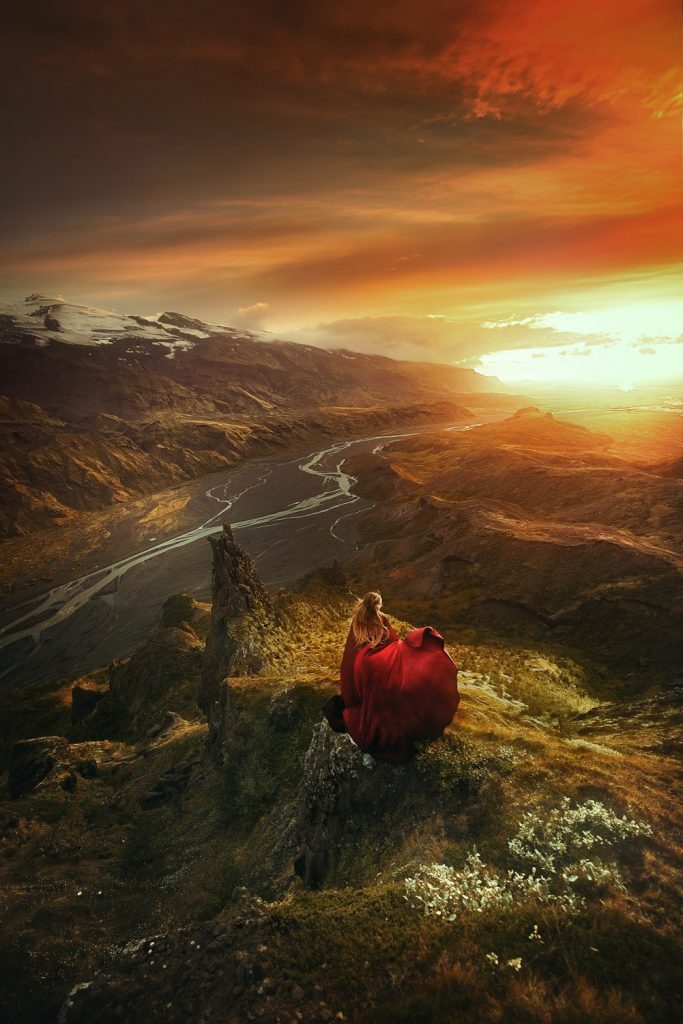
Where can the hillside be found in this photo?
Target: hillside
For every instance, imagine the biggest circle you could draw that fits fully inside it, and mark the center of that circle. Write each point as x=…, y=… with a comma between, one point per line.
x=61, y=357
x=260, y=868
x=530, y=527
x=97, y=407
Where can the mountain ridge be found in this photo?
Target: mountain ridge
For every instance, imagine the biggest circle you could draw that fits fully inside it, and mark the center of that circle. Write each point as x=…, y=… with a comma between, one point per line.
x=38, y=317
x=533, y=527
x=97, y=407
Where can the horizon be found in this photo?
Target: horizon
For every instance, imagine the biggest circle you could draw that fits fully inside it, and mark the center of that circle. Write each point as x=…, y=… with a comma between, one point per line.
x=518, y=359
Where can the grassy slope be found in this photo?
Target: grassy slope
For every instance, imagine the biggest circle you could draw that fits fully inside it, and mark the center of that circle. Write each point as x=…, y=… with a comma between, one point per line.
x=84, y=872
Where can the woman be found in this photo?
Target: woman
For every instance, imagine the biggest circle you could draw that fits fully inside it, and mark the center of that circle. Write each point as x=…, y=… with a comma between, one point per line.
x=393, y=692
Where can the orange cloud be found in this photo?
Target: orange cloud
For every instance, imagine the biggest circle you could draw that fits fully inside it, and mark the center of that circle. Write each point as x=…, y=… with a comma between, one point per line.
x=342, y=160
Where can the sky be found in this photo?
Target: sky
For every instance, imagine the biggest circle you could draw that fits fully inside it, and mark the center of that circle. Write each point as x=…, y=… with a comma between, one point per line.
x=484, y=183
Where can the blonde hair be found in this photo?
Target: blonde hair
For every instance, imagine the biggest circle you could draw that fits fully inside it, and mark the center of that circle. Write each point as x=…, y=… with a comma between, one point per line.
x=366, y=623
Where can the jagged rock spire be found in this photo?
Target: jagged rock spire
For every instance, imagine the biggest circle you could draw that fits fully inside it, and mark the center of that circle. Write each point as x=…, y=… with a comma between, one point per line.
x=241, y=619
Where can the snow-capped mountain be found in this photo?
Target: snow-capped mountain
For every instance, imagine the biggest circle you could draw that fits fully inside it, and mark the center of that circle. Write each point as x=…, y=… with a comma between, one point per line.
x=70, y=358
x=52, y=318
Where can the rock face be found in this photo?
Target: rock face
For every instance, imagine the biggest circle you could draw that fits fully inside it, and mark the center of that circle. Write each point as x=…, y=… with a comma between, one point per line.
x=83, y=701
x=241, y=617
x=33, y=760
x=169, y=785
x=169, y=656
x=341, y=787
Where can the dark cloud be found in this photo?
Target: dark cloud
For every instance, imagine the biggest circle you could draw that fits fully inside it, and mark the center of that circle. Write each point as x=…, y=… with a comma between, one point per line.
x=129, y=108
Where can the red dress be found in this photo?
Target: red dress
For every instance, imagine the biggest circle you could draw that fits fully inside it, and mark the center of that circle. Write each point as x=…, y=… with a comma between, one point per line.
x=398, y=692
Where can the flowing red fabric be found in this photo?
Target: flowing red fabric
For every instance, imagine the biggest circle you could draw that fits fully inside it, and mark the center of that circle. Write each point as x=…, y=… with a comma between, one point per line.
x=398, y=692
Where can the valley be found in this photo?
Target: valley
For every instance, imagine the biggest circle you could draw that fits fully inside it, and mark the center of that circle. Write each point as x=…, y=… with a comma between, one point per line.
x=98, y=408
x=293, y=514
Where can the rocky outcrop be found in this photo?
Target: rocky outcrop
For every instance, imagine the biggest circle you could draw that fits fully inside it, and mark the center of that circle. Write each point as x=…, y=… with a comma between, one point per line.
x=241, y=619
x=330, y=576
x=343, y=789
x=33, y=760
x=209, y=971
x=84, y=699
x=170, y=656
x=51, y=760
x=170, y=784
x=182, y=610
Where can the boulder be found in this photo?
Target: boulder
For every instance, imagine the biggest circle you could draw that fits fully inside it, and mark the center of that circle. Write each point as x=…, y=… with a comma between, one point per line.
x=168, y=656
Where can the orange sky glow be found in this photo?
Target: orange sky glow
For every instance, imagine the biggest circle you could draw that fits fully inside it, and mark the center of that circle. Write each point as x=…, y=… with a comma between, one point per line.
x=494, y=185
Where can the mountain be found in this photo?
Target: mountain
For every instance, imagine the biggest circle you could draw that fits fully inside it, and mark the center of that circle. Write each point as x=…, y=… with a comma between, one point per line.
x=531, y=527
x=96, y=407
x=76, y=361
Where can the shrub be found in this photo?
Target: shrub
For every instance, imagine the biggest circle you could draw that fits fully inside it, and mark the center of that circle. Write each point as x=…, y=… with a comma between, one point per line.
x=553, y=857
x=456, y=765
x=560, y=843
x=443, y=891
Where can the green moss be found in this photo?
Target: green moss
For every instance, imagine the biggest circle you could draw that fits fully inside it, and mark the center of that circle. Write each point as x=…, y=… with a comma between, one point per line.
x=387, y=964
x=361, y=933
x=176, y=609
x=271, y=734
x=458, y=766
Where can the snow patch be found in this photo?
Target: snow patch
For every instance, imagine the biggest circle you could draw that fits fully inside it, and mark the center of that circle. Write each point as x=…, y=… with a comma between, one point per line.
x=51, y=318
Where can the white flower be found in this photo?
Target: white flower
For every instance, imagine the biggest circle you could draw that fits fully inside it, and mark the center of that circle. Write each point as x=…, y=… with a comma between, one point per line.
x=551, y=854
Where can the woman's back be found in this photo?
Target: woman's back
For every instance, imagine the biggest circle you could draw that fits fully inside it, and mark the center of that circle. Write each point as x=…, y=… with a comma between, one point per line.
x=396, y=692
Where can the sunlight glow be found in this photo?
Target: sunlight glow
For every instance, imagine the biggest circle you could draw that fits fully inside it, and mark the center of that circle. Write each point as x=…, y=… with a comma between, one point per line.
x=629, y=322
x=614, y=363
x=621, y=345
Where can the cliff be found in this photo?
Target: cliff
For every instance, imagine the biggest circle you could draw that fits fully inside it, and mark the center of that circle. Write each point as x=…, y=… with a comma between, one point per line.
x=293, y=878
